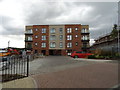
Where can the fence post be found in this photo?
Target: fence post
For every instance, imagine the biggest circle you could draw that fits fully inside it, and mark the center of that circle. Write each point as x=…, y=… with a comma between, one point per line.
x=27, y=66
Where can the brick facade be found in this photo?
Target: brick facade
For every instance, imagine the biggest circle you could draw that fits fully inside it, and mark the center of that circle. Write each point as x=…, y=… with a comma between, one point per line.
x=70, y=31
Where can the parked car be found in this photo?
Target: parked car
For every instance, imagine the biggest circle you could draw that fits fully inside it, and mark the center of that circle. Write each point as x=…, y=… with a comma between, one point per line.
x=80, y=54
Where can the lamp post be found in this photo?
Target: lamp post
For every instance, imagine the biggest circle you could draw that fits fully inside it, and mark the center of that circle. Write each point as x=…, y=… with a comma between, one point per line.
x=8, y=43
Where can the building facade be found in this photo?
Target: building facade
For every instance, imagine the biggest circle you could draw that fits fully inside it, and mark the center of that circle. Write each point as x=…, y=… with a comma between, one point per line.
x=57, y=39
x=106, y=43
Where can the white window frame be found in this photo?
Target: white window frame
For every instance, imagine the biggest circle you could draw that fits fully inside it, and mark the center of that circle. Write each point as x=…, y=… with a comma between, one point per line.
x=84, y=30
x=36, y=29
x=29, y=31
x=29, y=38
x=60, y=30
x=61, y=44
x=43, y=30
x=69, y=45
x=76, y=29
x=44, y=37
x=52, y=44
x=85, y=37
x=43, y=45
x=69, y=30
x=36, y=43
x=36, y=36
x=76, y=43
x=76, y=36
x=69, y=37
x=52, y=30
x=52, y=37
x=61, y=37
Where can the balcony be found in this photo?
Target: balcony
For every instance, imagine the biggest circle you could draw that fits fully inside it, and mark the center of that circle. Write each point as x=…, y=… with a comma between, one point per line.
x=28, y=40
x=29, y=48
x=29, y=32
x=85, y=33
x=87, y=40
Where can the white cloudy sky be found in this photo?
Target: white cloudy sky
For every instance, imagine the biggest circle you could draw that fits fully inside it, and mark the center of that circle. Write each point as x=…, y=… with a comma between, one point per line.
x=15, y=14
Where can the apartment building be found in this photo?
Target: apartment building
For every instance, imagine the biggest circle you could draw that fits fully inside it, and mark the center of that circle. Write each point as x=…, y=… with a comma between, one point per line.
x=61, y=39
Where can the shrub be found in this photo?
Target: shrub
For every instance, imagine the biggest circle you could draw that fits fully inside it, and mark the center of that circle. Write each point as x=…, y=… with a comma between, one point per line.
x=91, y=57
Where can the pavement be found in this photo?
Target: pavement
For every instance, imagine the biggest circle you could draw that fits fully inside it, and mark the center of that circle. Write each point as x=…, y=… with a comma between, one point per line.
x=20, y=83
x=82, y=74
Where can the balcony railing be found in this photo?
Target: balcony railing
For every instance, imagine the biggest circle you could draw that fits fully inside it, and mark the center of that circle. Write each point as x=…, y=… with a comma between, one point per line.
x=85, y=40
x=29, y=48
x=29, y=32
x=84, y=32
x=28, y=40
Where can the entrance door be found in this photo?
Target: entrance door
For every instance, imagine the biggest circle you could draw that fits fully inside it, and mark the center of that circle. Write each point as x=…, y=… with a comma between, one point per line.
x=43, y=52
x=55, y=52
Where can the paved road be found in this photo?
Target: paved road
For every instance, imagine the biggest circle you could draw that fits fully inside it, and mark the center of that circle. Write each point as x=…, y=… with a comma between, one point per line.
x=56, y=63
x=49, y=64
x=66, y=72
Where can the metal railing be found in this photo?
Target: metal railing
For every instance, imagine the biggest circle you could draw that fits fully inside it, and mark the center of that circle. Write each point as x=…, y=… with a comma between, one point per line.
x=14, y=67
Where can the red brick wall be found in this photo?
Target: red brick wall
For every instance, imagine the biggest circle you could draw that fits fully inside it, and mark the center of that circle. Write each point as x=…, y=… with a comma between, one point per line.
x=39, y=39
x=74, y=39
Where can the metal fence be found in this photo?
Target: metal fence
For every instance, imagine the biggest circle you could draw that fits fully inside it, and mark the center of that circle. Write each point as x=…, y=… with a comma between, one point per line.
x=14, y=67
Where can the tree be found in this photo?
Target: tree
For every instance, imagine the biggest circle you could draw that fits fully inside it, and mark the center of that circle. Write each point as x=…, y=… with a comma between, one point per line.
x=114, y=32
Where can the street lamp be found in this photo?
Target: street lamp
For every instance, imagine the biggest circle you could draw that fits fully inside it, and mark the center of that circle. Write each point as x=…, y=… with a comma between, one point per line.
x=8, y=43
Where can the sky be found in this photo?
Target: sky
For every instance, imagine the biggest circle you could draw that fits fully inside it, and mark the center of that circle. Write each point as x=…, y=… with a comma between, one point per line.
x=16, y=14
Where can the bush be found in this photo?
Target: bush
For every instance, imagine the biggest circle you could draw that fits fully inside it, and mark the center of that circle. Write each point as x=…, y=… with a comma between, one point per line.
x=91, y=57
x=117, y=55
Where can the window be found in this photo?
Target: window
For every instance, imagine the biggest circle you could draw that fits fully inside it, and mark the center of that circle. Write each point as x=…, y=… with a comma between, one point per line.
x=61, y=30
x=84, y=30
x=29, y=38
x=52, y=30
x=76, y=29
x=29, y=31
x=29, y=45
x=69, y=37
x=69, y=30
x=61, y=37
x=43, y=45
x=61, y=44
x=52, y=45
x=76, y=36
x=85, y=37
x=43, y=37
x=69, y=45
x=36, y=36
x=36, y=44
x=36, y=29
x=52, y=37
x=76, y=43
x=43, y=30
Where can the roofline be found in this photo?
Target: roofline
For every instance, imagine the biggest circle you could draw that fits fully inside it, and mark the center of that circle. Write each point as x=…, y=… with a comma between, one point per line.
x=58, y=24
x=108, y=34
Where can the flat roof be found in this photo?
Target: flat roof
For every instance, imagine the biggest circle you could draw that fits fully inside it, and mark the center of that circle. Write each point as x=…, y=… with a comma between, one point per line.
x=58, y=24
